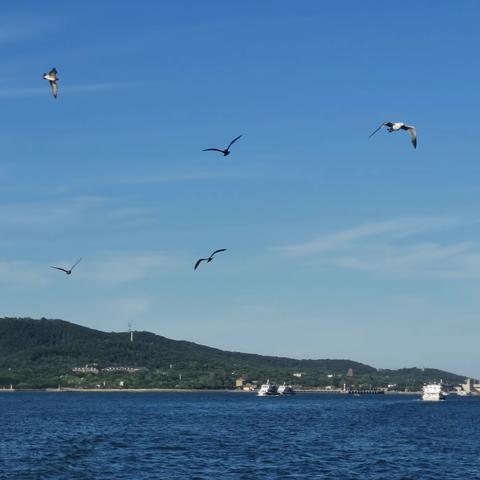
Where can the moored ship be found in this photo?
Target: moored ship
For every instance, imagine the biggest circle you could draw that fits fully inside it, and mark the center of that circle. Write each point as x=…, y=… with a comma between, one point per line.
x=432, y=392
x=267, y=389
x=286, y=390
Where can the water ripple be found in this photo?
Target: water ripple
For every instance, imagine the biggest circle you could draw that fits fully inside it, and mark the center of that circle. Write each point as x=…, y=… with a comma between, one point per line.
x=77, y=436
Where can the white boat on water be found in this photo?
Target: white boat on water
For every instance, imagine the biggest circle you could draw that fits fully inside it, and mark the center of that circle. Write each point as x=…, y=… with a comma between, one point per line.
x=432, y=392
x=267, y=389
x=286, y=390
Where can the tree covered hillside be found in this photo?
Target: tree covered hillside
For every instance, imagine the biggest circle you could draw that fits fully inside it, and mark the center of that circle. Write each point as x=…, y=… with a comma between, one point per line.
x=42, y=353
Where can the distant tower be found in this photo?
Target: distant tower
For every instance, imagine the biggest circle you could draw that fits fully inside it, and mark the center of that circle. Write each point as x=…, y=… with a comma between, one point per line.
x=130, y=331
x=350, y=372
x=469, y=385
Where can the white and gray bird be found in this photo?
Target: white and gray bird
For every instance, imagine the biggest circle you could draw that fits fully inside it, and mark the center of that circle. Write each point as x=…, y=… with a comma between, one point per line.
x=51, y=76
x=395, y=127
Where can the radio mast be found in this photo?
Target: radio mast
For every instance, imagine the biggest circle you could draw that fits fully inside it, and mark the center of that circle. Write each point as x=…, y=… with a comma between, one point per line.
x=130, y=331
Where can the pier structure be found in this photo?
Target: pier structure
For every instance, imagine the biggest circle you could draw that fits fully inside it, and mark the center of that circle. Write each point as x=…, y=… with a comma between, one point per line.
x=366, y=391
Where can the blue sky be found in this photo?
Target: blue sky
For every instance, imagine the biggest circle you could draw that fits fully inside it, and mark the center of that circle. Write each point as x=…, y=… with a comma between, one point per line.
x=338, y=246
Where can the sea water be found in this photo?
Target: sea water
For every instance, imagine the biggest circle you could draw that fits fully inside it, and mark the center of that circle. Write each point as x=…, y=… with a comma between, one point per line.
x=140, y=436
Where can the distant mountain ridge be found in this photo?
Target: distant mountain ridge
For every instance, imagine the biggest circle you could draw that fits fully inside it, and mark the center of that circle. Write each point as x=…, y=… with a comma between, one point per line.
x=42, y=353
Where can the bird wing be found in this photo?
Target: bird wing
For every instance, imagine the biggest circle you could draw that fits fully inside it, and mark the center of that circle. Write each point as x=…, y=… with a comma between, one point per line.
x=413, y=134
x=232, y=142
x=199, y=261
x=375, y=131
x=76, y=263
x=213, y=149
x=218, y=251
x=53, y=72
x=54, y=87
x=59, y=268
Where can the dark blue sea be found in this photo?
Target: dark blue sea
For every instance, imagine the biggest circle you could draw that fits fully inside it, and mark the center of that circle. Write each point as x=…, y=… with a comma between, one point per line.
x=140, y=436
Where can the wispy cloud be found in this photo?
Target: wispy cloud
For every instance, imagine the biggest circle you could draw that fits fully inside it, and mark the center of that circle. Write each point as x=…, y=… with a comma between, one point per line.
x=460, y=260
x=9, y=34
x=18, y=28
x=58, y=212
x=21, y=273
x=64, y=212
x=345, y=238
x=123, y=267
x=123, y=310
x=172, y=177
x=396, y=246
x=102, y=269
x=67, y=89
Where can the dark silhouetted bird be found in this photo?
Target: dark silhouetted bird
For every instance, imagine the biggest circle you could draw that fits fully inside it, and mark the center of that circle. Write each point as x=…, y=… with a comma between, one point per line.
x=395, y=127
x=209, y=259
x=66, y=270
x=51, y=76
x=226, y=151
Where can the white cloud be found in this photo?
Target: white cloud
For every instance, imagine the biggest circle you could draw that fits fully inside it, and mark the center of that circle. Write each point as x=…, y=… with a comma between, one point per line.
x=64, y=212
x=49, y=212
x=21, y=273
x=394, y=247
x=452, y=260
x=123, y=310
x=119, y=267
x=396, y=228
x=67, y=89
x=17, y=28
x=172, y=177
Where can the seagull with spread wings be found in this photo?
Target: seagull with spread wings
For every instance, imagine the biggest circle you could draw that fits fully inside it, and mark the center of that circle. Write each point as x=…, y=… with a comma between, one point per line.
x=51, y=76
x=68, y=271
x=395, y=127
x=209, y=259
x=226, y=151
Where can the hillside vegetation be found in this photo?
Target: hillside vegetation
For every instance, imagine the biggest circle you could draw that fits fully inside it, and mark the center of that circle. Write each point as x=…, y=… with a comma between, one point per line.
x=42, y=353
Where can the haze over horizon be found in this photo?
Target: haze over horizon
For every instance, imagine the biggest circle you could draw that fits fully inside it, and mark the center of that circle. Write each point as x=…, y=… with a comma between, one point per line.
x=339, y=246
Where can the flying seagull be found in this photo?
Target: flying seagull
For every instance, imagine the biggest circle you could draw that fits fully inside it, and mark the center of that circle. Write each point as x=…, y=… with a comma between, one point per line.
x=51, y=76
x=226, y=151
x=67, y=271
x=395, y=127
x=209, y=259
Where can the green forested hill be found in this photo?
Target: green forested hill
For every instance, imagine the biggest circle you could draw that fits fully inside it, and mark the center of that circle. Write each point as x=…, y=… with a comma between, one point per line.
x=42, y=353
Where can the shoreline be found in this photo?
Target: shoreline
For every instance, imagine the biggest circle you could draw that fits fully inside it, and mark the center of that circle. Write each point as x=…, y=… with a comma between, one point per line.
x=180, y=390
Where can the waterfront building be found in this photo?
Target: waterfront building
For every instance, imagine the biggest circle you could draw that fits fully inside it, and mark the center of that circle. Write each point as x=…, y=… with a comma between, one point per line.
x=123, y=369
x=471, y=386
x=85, y=369
x=239, y=382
